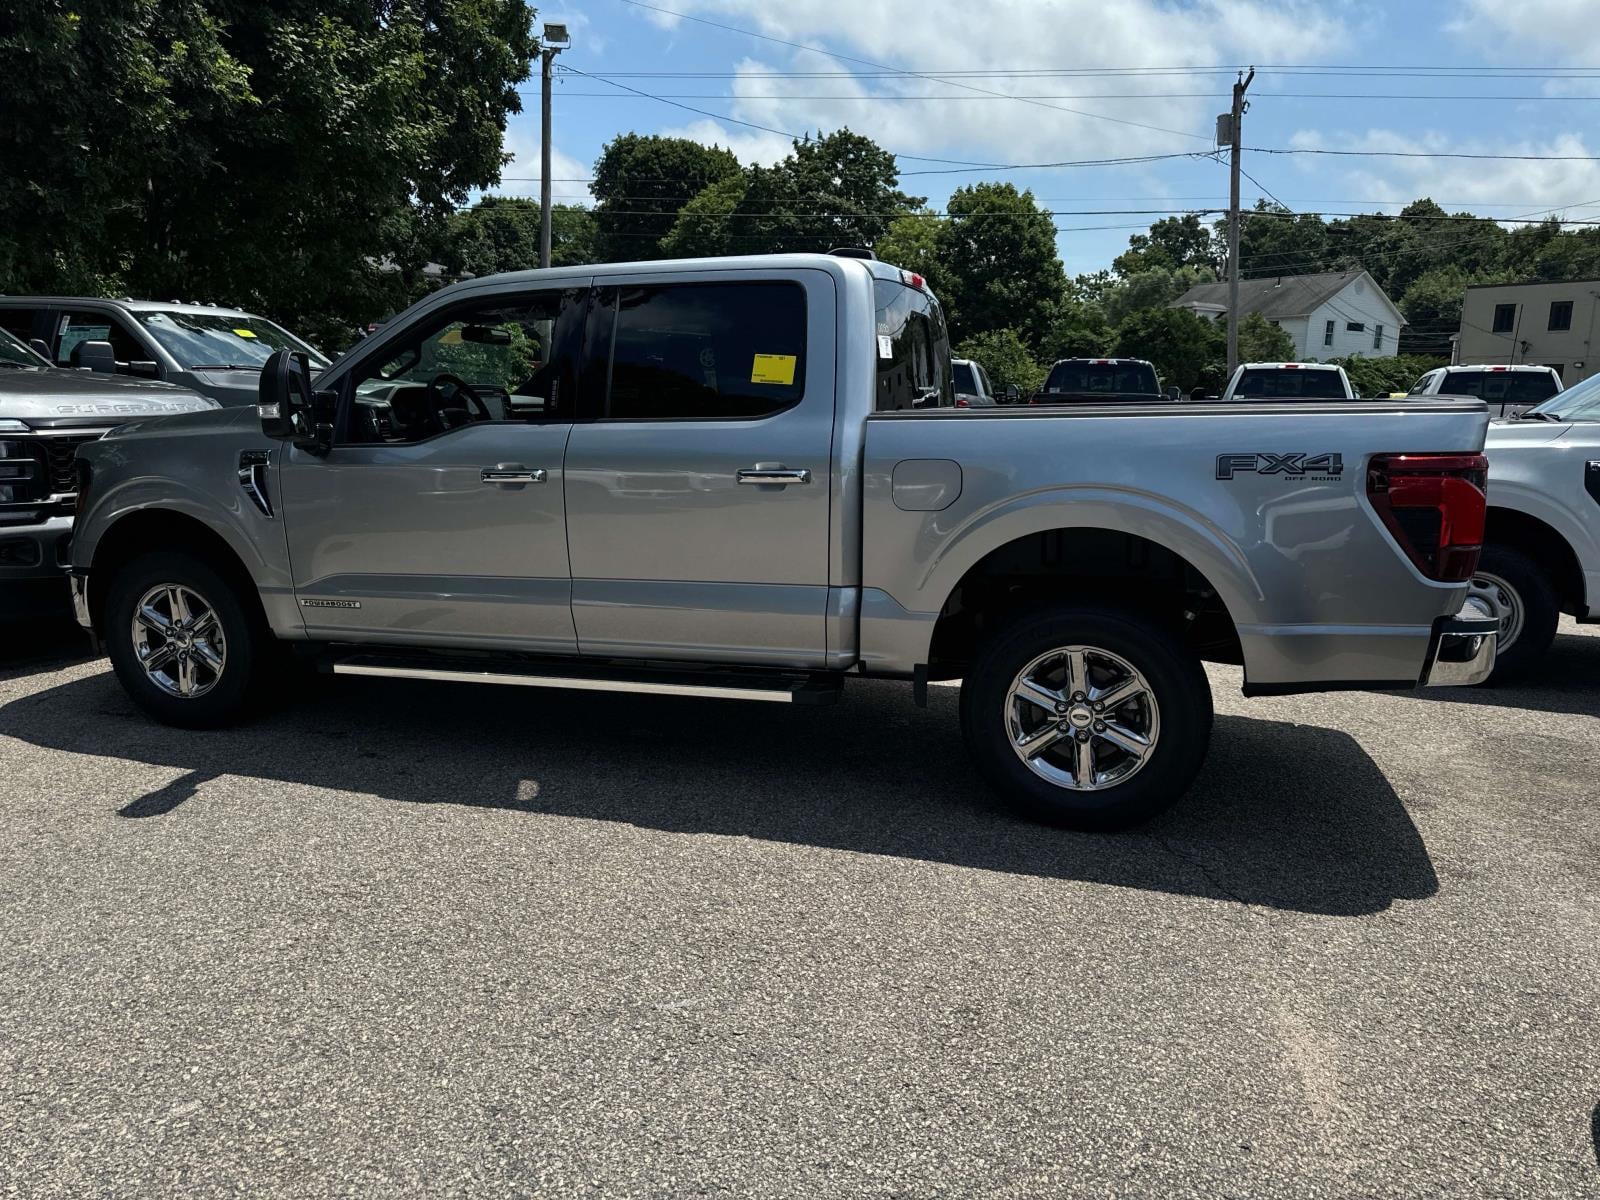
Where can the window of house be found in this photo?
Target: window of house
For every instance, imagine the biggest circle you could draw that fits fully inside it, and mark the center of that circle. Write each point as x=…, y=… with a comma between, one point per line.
x=1327, y=334
x=1377, y=337
x=913, y=349
x=1355, y=326
x=1560, y=314
x=1505, y=318
x=707, y=351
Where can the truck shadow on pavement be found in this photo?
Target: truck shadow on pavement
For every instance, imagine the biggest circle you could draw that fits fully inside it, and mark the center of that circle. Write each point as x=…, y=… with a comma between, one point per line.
x=1284, y=816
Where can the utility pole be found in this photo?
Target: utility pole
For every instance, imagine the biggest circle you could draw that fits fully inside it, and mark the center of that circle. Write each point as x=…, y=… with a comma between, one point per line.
x=1235, y=120
x=555, y=41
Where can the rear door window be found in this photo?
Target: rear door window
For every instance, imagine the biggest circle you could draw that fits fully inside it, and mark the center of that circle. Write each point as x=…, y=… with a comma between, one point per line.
x=913, y=349
x=1501, y=387
x=707, y=351
x=1281, y=384
x=1103, y=378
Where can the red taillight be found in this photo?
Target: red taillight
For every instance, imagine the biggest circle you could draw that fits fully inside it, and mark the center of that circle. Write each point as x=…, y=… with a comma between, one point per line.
x=912, y=279
x=960, y=403
x=1435, y=505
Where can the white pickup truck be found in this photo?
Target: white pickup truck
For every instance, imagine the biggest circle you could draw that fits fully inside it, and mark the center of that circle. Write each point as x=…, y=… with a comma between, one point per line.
x=1509, y=389
x=1289, y=381
x=1541, y=555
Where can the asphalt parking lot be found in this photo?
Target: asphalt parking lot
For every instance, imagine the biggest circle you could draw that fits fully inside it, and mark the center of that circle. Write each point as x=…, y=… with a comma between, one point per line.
x=407, y=939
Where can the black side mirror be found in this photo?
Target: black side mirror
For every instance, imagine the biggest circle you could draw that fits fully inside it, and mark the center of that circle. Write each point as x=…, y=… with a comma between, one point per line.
x=1013, y=393
x=94, y=356
x=145, y=368
x=38, y=346
x=1174, y=392
x=286, y=404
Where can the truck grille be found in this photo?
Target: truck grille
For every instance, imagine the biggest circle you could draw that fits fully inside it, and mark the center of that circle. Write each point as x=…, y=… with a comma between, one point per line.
x=34, y=467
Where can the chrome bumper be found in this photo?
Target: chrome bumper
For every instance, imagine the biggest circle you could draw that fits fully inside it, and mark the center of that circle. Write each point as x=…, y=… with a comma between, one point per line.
x=80, y=600
x=1463, y=648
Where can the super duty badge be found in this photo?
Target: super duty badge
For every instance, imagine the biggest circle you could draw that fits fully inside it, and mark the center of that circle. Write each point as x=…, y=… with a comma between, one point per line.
x=1321, y=468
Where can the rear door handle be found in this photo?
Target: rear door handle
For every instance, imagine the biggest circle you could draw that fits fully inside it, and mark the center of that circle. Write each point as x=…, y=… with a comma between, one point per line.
x=779, y=475
x=513, y=473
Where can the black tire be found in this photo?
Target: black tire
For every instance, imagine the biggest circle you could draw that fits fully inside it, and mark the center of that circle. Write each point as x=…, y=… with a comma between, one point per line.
x=246, y=641
x=1175, y=678
x=1535, y=597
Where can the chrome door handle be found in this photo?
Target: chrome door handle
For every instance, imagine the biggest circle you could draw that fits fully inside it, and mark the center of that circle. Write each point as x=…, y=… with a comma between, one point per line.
x=509, y=474
x=774, y=475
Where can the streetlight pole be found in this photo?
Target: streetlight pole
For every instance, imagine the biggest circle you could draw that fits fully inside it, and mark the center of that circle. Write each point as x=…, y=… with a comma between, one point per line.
x=1234, y=123
x=555, y=41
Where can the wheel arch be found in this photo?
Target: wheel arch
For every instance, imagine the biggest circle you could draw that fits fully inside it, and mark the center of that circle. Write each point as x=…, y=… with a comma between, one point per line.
x=146, y=530
x=1545, y=544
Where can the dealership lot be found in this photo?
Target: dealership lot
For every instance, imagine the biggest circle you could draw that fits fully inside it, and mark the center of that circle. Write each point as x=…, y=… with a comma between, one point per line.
x=448, y=939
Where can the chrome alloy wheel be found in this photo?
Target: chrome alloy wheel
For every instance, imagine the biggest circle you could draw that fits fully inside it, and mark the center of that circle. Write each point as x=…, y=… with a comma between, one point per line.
x=178, y=641
x=1082, y=718
x=1503, y=603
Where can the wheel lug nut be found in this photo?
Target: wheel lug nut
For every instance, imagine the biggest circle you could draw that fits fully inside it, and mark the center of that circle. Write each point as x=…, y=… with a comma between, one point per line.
x=1078, y=696
x=1083, y=735
x=1098, y=707
x=1099, y=726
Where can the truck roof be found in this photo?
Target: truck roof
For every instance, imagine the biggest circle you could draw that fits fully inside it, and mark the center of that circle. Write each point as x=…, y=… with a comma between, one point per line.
x=1289, y=366
x=131, y=305
x=1497, y=367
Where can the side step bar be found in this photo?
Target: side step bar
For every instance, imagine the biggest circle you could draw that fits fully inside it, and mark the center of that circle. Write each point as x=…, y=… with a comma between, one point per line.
x=724, y=685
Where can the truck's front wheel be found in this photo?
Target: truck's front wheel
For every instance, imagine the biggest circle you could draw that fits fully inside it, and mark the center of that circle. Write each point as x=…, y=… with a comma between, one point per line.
x=181, y=641
x=1086, y=717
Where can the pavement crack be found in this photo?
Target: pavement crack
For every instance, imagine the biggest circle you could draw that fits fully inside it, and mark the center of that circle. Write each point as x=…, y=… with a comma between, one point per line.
x=1192, y=859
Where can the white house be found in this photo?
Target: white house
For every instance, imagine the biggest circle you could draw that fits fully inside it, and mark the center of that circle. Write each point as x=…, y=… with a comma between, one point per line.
x=1332, y=315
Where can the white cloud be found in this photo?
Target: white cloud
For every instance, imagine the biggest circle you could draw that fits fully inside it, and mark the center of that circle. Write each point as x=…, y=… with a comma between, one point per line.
x=748, y=145
x=927, y=36
x=520, y=176
x=1491, y=187
x=1565, y=30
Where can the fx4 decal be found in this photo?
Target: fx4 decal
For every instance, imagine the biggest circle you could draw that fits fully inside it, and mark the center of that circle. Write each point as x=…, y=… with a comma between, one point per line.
x=1297, y=466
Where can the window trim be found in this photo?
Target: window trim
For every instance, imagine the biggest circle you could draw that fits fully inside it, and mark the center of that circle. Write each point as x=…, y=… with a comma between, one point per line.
x=603, y=300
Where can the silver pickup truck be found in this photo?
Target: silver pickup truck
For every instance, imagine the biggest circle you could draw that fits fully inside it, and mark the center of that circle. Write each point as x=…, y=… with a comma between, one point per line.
x=744, y=478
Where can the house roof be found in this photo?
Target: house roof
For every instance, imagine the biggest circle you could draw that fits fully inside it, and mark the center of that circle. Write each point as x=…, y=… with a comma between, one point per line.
x=1275, y=295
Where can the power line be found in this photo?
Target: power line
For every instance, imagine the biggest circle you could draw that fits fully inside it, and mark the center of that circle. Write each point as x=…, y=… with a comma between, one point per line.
x=1453, y=97
x=1578, y=74
x=1428, y=154
x=913, y=74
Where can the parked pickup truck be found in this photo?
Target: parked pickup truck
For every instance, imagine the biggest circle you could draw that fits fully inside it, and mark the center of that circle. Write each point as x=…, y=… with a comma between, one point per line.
x=1541, y=554
x=45, y=415
x=1508, y=389
x=711, y=478
x=1100, y=381
x=1289, y=381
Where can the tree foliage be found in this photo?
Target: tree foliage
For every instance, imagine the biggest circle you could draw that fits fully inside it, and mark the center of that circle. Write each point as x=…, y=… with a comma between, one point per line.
x=913, y=242
x=262, y=155
x=1005, y=355
x=640, y=185
x=1262, y=341
x=1380, y=376
x=1172, y=242
x=501, y=233
x=998, y=251
x=1180, y=344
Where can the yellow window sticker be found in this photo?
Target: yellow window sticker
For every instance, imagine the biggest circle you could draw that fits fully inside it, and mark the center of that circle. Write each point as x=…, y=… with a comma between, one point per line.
x=450, y=337
x=773, y=368
x=245, y=333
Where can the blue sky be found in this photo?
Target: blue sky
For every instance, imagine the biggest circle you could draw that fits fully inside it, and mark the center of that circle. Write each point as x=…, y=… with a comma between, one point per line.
x=1523, y=82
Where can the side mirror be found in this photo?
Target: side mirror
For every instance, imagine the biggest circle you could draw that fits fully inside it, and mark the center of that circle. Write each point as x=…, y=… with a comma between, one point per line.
x=1013, y=393
x=94, y=356
x=145, y=369
x=1174, y=392
x=287, y=405
x=38, y=346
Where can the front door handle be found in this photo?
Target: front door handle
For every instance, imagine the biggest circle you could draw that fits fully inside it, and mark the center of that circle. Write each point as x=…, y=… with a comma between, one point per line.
x=779, y=475
x=513, y=473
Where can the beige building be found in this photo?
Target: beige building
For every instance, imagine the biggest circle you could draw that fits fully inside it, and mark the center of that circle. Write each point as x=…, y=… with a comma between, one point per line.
x=1547, y=324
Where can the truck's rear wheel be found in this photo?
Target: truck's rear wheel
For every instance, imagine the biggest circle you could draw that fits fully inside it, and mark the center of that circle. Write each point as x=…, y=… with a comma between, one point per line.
x=1086, y=717
x=181, y=640
x=1519, y=593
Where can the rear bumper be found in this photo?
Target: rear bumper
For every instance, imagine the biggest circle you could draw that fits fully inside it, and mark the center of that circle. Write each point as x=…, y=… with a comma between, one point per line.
x=1463, y=650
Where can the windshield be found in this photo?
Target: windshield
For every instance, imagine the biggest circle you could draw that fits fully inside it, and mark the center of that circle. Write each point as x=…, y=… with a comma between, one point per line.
x=1107, y=378
x=14, y=352
x=1496, y=387
x=966, y=381
x=1580, y=402
x=215, y=341
x=1275, y=383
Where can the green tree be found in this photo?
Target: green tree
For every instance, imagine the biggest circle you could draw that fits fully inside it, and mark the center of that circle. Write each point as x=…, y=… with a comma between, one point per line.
x=839, y=190
x=1080, y=330
x=912, y=241
x=1272, y=241
x=1172, y=242
x=1381, y=376
x=1181, y=345
x=501, y=233
x=1005, y=355
x=1154, y=288
x=1432, y=308
x=640, y=185
x=267, y=155
x=1262, y=341
x=999, y=253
